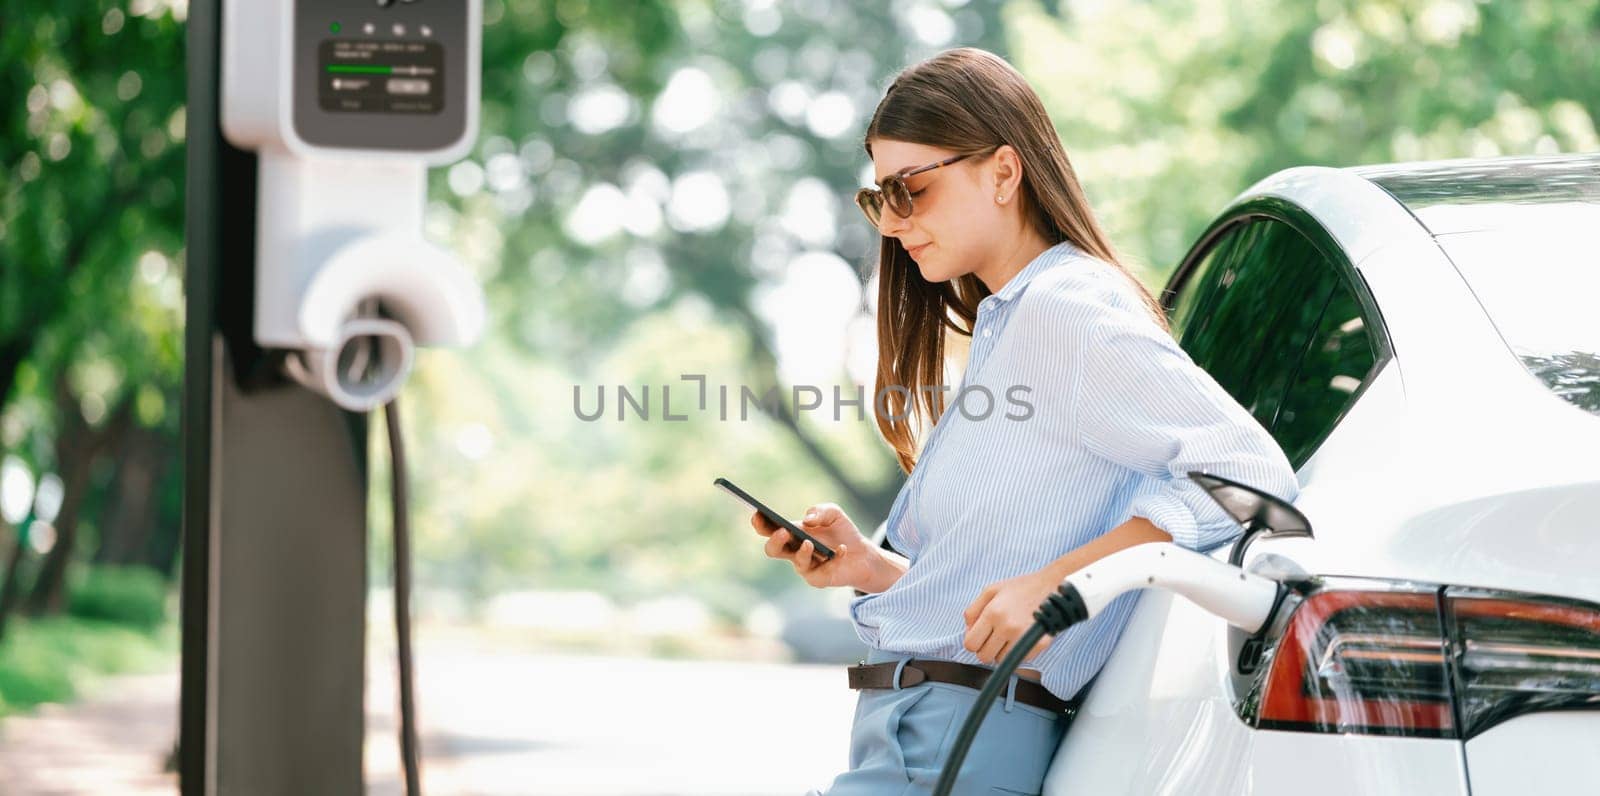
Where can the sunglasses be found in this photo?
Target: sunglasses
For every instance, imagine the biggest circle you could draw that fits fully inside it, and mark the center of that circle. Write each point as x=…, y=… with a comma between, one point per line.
x=892, y=191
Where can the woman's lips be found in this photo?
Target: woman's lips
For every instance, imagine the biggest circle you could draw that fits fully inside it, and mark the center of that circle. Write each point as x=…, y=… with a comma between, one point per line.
x=914, y=252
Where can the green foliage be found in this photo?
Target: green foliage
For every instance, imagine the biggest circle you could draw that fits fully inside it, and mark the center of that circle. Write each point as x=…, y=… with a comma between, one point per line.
x=91, y=232
x=1168, y=110
x=91, y=226
x=135, y=596
x=92, y=147
x=48, y=660
x=31, y=670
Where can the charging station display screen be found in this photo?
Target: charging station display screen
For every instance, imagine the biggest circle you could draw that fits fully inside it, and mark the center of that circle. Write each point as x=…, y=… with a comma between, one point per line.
x=395, y=75
x=366, y=76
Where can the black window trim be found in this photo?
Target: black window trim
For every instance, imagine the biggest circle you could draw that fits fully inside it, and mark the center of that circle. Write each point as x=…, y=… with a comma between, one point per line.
x=1297, y=218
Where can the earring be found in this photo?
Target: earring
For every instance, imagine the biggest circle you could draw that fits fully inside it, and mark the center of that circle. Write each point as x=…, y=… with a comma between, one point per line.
x=1000, y=199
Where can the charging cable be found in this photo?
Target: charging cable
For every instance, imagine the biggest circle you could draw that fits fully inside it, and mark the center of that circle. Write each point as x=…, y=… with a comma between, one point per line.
x=1059, y=611
x=402, y=598
x=1240, y=598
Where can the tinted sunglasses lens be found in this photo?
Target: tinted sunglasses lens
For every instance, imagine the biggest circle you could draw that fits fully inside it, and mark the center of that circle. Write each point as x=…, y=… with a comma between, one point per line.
x=897, y=197
x=871, y=204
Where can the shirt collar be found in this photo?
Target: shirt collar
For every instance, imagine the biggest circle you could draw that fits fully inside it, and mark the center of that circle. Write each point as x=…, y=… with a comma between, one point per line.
x=1047, y=259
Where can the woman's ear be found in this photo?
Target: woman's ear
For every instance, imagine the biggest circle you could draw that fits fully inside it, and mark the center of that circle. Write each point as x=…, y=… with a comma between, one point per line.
x=1007, y=174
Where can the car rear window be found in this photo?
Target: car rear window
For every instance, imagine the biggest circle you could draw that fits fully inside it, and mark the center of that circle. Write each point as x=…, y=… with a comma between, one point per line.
x=1541, y=288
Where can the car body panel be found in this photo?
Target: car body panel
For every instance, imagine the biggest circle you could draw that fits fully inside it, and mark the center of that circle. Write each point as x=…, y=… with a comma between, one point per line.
x=1156, y=719
x=1536, y=753
x=1338, y=765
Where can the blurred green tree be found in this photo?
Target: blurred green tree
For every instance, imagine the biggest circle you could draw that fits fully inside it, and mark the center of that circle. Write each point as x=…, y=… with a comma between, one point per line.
x=1170, y=109
x=90, y=223
x=635, y=154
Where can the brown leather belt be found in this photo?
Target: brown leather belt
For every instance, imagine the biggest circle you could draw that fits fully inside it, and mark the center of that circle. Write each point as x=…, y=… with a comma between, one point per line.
x=881, y=675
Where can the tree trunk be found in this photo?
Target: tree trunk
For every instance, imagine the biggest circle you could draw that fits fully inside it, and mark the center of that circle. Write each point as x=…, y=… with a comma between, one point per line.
x=161, y=553
x=8, y=588
x=126, y=522
x=77, y=448
x=12, y=353
x=49, y=586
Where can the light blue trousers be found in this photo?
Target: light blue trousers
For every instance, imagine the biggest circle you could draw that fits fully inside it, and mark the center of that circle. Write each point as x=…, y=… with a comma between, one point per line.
x=902, y=737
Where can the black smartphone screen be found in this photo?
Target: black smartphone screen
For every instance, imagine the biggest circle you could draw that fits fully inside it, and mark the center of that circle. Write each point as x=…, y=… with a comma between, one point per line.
x=773, y=516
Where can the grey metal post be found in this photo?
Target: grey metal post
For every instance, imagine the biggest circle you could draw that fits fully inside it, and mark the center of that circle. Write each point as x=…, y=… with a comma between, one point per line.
x=274, y=513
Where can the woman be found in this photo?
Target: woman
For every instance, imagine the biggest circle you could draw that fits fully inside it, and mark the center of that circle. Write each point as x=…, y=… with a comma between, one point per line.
x=1094, y=417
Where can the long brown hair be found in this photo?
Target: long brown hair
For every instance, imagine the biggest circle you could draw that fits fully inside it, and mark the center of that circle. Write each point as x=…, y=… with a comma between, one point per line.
x=966, y=100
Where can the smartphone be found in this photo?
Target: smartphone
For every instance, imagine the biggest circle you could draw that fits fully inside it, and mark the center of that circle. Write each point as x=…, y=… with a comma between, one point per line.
x=774, y=517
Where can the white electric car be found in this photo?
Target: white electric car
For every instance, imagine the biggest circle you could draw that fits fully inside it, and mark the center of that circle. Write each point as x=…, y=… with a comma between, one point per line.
x=1423, y=340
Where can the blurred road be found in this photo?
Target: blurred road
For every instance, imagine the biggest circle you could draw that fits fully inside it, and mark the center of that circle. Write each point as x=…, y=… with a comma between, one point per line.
x=499, y=722
x=113, y=741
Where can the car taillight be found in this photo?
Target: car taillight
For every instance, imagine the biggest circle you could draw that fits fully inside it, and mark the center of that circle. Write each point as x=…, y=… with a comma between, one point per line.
x=1361, y=661
x=1515, y=654
x=1380, y=662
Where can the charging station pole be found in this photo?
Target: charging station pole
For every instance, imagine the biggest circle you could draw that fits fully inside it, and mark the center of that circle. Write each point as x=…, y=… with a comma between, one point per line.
x=311, y=126
x=274, y=511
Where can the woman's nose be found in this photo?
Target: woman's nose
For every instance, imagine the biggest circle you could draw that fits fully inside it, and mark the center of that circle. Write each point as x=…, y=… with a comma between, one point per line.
x=891, y=224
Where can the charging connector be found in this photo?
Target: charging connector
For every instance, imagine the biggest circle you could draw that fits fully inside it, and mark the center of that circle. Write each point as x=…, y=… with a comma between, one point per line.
x=1240, y=598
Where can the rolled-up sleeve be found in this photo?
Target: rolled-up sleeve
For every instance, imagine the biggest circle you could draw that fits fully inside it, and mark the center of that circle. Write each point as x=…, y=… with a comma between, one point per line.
x=1144, y=404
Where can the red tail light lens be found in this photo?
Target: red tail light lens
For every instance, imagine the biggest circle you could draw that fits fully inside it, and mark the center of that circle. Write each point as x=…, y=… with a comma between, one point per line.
x=1421, y=664
x=1519, y=654
x=1361, y=661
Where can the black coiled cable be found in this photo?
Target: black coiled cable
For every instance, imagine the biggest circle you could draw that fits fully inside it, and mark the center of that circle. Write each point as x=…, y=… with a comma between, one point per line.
x=1059, y=611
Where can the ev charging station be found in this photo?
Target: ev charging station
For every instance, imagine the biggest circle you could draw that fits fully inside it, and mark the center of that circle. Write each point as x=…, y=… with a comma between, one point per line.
x=311, y=126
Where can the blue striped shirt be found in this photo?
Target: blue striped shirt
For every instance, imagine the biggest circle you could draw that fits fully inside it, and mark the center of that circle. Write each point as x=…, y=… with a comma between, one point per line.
x=1119, y=415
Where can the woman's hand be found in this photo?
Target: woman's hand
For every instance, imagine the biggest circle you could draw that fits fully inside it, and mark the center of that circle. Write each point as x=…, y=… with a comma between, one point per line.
x=1003, y=612
x=853, y=554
